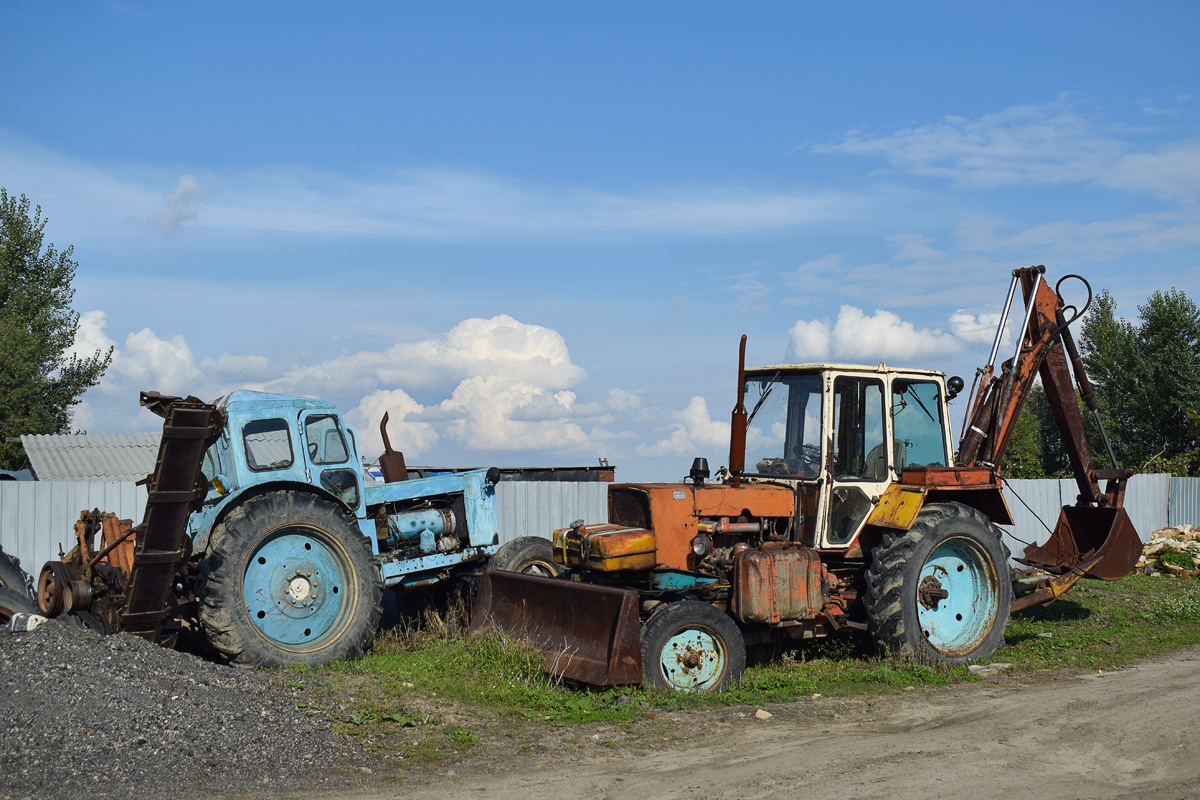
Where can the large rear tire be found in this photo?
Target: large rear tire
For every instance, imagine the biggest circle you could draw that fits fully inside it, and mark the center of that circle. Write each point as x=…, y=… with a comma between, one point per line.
x=13, y=577
x=289, y=578
x=941, y=592
x=529, y=555
x=689, y=646
x=12, y=602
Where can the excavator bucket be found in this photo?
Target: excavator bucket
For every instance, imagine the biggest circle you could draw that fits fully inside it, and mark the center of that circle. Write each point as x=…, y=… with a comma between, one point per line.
x=1085, y=534
x=586, y=633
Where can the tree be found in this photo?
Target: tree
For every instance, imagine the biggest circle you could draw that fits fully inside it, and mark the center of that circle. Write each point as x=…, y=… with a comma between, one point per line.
x=40, y=380
x=1147, y=378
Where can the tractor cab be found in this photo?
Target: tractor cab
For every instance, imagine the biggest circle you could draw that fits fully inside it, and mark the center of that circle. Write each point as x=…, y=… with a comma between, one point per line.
x=841, y=434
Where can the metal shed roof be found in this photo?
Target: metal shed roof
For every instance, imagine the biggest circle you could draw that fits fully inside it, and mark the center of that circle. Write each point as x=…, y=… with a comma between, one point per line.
x=92, y=456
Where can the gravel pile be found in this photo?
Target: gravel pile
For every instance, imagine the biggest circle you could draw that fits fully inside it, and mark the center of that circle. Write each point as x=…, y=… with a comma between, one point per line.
x=88, y=716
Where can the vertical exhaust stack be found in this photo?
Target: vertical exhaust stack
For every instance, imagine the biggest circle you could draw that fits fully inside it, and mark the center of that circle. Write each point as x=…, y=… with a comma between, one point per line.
x=737, y=425
x=391, y=463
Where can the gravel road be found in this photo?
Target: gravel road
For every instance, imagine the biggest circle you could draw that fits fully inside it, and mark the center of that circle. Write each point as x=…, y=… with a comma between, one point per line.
x=88, y=716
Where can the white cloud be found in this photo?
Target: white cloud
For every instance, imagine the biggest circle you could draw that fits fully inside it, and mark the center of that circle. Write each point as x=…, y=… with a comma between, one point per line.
x=1032, y=145
x=497, y=384
x=692, y=431
x=408, y=436
x=855, y=336
x=180, y=205
x=398, y=204
x=975, y=328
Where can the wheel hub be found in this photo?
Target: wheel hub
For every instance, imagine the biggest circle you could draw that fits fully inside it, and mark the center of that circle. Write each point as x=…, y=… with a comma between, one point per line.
x=930, y=592
x=301, y=590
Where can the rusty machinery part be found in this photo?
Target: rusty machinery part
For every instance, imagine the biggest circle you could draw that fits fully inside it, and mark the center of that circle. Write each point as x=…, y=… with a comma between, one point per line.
x=289, y=578
x=689, y=646
x=13, y=577
x=175, y=489
x=585, y=632
x=62, y=587
x=941, y=592
x=391, y=463
x=528, y=555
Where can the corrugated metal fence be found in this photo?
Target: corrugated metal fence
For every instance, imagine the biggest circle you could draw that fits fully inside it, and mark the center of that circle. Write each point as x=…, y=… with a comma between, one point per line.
x=37, y=517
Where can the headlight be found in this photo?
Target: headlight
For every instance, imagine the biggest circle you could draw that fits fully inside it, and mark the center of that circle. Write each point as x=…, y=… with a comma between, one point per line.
x=702, y=545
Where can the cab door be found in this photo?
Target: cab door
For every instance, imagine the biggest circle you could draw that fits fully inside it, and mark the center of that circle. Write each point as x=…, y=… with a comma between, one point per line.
x=859, y=460
x=328, y=456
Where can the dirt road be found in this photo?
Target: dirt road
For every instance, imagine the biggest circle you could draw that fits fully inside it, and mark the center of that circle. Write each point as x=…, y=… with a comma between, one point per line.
x=1128, y=734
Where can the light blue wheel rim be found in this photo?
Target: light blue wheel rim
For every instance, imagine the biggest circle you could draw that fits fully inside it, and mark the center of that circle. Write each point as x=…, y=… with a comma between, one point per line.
x=296, y=589
x=958, y=623
x=693, y=660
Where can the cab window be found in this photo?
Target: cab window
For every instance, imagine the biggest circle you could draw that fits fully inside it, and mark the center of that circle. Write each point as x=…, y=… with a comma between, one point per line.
x=858, y=449
x=326, y=445
x=917, y=424
x=783, y=428
x=268, y=444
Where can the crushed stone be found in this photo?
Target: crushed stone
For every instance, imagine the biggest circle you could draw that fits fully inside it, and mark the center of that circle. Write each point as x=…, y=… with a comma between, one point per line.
x=84, y=715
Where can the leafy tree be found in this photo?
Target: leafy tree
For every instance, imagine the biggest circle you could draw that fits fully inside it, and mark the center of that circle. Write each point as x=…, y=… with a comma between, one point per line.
x=40, y=382
x=1147, y=378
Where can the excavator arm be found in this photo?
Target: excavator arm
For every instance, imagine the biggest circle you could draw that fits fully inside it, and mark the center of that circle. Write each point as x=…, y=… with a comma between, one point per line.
x=1094, y=538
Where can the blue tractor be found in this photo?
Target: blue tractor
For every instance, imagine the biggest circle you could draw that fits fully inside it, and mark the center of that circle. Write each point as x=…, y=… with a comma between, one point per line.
x=262, y=531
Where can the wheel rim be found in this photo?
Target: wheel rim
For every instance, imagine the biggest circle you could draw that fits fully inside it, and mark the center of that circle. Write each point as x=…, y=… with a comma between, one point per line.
x=298, y=589
x=538, y=566
x=693, y=660
x=957, y=597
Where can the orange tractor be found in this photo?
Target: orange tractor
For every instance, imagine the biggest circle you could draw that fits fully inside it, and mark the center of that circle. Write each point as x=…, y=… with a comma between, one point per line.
x=845, y=507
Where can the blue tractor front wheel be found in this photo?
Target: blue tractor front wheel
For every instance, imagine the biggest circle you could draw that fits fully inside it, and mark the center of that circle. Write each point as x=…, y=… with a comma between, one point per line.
x=289, y=578
x=941, y=592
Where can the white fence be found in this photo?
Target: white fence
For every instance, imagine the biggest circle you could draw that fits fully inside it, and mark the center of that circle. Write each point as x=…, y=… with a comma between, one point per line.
x=38, y=517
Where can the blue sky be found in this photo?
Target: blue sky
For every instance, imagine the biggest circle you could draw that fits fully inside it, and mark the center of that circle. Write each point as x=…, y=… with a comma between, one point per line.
x=535, y=232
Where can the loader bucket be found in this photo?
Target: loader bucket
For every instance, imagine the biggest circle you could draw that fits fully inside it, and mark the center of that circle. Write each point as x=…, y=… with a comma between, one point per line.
x=586, y=633
x=1084, y=533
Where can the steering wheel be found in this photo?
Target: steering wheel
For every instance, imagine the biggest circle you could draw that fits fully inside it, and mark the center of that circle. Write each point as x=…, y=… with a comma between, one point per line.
x=805, y=460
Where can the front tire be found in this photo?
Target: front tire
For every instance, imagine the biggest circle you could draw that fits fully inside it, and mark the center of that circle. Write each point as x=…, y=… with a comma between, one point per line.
x=289, y=578
x=689, y=646
x=941, y=592
x=529, y=555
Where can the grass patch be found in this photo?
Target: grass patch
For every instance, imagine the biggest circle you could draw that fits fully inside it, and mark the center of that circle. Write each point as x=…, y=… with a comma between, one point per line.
x=1102, y=625
x=432, y=667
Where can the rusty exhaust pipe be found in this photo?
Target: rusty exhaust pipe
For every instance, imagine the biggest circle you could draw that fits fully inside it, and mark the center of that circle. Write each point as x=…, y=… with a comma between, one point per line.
x=737, y=426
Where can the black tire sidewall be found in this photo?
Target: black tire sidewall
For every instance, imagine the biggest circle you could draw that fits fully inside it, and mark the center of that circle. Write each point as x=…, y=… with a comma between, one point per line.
x=222, y=611
x=671, y=619
x=13, y=577
x=13, y=602
x=966, y=523
x=519, y=554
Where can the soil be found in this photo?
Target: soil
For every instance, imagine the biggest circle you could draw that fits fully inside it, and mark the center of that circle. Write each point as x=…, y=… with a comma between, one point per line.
x=117, y=717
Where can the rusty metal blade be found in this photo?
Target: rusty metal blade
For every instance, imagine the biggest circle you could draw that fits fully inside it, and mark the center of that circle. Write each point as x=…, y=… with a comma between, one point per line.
x=1084, y=533
x=586, y=633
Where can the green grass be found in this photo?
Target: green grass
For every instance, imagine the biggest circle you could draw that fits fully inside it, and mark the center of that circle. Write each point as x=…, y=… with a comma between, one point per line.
x=413, y=676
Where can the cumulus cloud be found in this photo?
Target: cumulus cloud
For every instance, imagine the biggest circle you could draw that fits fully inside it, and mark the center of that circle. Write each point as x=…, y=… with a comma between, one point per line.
x=496, y=384
x=857, y=336
x=693, y=430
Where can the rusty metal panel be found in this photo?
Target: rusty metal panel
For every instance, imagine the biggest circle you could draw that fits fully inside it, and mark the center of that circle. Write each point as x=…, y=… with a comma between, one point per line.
x=1184, y=502
x=606, y=548
x=776, y=583
x=898, y=507
x=585, y=632
x=947, y=476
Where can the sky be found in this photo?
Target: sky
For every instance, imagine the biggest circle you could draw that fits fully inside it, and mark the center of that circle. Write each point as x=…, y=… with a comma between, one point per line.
x=534, y=232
